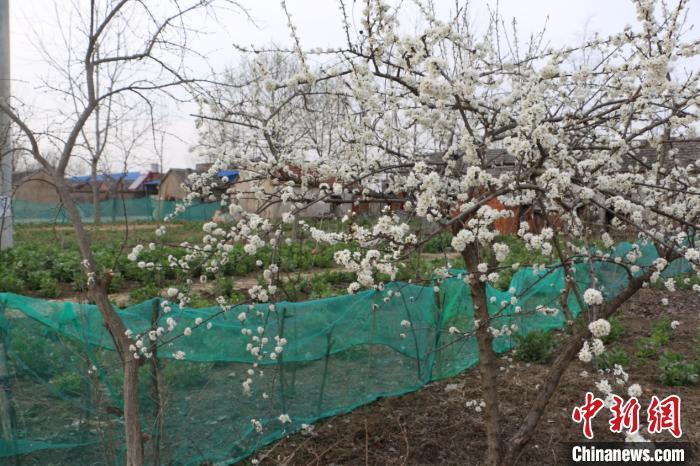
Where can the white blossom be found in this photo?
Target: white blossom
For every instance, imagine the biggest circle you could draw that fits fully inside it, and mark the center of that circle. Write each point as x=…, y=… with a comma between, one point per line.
x=593, y=297
x=599, y=328
x=634, y=390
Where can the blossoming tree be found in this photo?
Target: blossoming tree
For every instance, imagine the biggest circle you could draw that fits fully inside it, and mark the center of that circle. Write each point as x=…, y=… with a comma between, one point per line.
x=414, y=122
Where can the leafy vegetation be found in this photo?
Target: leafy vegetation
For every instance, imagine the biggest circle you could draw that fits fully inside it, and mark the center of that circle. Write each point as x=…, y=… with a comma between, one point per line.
x=52, y=269
x=69, y=383
x=676, y=370
x=35, y=353
x=616, y=331
x=612, y=357
x=143, y=293
x=660, y=336
x=535, y=346
x=438, y=244
x=185, y=374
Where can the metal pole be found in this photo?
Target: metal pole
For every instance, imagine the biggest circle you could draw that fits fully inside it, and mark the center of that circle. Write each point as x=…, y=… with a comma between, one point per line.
x=6, y=428
x=6, y=227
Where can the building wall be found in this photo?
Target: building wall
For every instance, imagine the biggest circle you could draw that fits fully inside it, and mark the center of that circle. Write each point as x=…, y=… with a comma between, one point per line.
x=84, y=194
x=251, y=204
x=508, y=225
x=171, y=187
x=37, y=187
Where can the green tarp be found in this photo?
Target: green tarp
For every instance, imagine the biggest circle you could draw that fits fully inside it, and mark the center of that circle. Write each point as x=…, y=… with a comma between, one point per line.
x=143, y=209
x=342, y=352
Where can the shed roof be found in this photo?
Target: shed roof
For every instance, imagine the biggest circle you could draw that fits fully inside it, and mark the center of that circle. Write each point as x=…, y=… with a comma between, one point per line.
x=128, y=177
x=232, y=175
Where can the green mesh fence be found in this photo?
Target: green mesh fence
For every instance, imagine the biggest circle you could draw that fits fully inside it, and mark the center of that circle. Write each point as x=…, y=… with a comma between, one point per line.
x=64, y=380
x=115, y=210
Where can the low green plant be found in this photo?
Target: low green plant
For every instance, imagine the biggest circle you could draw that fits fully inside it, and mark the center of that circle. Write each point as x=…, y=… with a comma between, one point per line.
x=186, y=374
x=224, y=286
x=660, y=336
x=662, y=331
x=144, y=293
x=438, y=244
x=198, y=301
x=676, y=370
x=10, y=282
x=116, y=284
x=321, y=289
x=34, y=353
x=610, y=358
x=646, y=349
x=34, y=278
x=535, y=346
x=296, y=289
x=338, y=277
x=69, y=383
x=616, y=331
x=49, y=287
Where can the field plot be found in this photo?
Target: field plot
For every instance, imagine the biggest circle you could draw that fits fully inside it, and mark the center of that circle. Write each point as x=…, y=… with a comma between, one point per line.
x=440, y=425
x=345, y=351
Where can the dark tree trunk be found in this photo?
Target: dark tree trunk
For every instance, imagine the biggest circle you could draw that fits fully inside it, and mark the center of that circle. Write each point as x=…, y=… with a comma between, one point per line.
x=488, y=366
x=114, y=324
x=94, y=185
x=527, y=428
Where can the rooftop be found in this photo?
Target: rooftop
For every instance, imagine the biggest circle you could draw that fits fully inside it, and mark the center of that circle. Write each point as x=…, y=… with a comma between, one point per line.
x=128, y=177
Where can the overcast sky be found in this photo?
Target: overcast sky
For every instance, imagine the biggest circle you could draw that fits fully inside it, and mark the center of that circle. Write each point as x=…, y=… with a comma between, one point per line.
x=318, y=24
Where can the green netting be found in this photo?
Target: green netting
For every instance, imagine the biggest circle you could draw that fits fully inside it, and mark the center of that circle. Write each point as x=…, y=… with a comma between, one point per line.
x=343, y=352
x=115, y=210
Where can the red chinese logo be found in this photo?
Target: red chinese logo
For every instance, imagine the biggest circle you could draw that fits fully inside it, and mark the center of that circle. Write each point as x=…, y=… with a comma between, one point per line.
x=624, y=415
x=665, y=415
x=586, y=413
x=661, y=415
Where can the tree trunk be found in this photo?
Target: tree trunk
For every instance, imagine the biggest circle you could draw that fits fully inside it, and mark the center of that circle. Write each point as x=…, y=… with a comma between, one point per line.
x=114, y=324
x=487, y=358
x=96, y=207
x=518, y=441
x=132, y=418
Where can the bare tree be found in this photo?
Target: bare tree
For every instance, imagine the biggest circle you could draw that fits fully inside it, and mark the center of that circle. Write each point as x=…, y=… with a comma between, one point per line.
x=257, y=113
x=129, y=51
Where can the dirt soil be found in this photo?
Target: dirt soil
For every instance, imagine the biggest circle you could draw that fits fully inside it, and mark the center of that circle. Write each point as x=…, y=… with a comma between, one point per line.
x=434, y=426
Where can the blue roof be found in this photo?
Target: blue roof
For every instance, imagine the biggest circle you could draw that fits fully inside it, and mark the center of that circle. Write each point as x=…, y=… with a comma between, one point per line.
x=152, y=183
x=230, y=174
x=129, y=177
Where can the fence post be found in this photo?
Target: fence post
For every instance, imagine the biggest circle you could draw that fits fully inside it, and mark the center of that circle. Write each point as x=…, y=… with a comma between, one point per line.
x=329, y=345
x=433, y=353
x=280, y=362
x=295, y=365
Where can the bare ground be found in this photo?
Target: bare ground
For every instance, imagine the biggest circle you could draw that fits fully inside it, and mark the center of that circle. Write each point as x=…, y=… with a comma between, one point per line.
x=433, y=426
